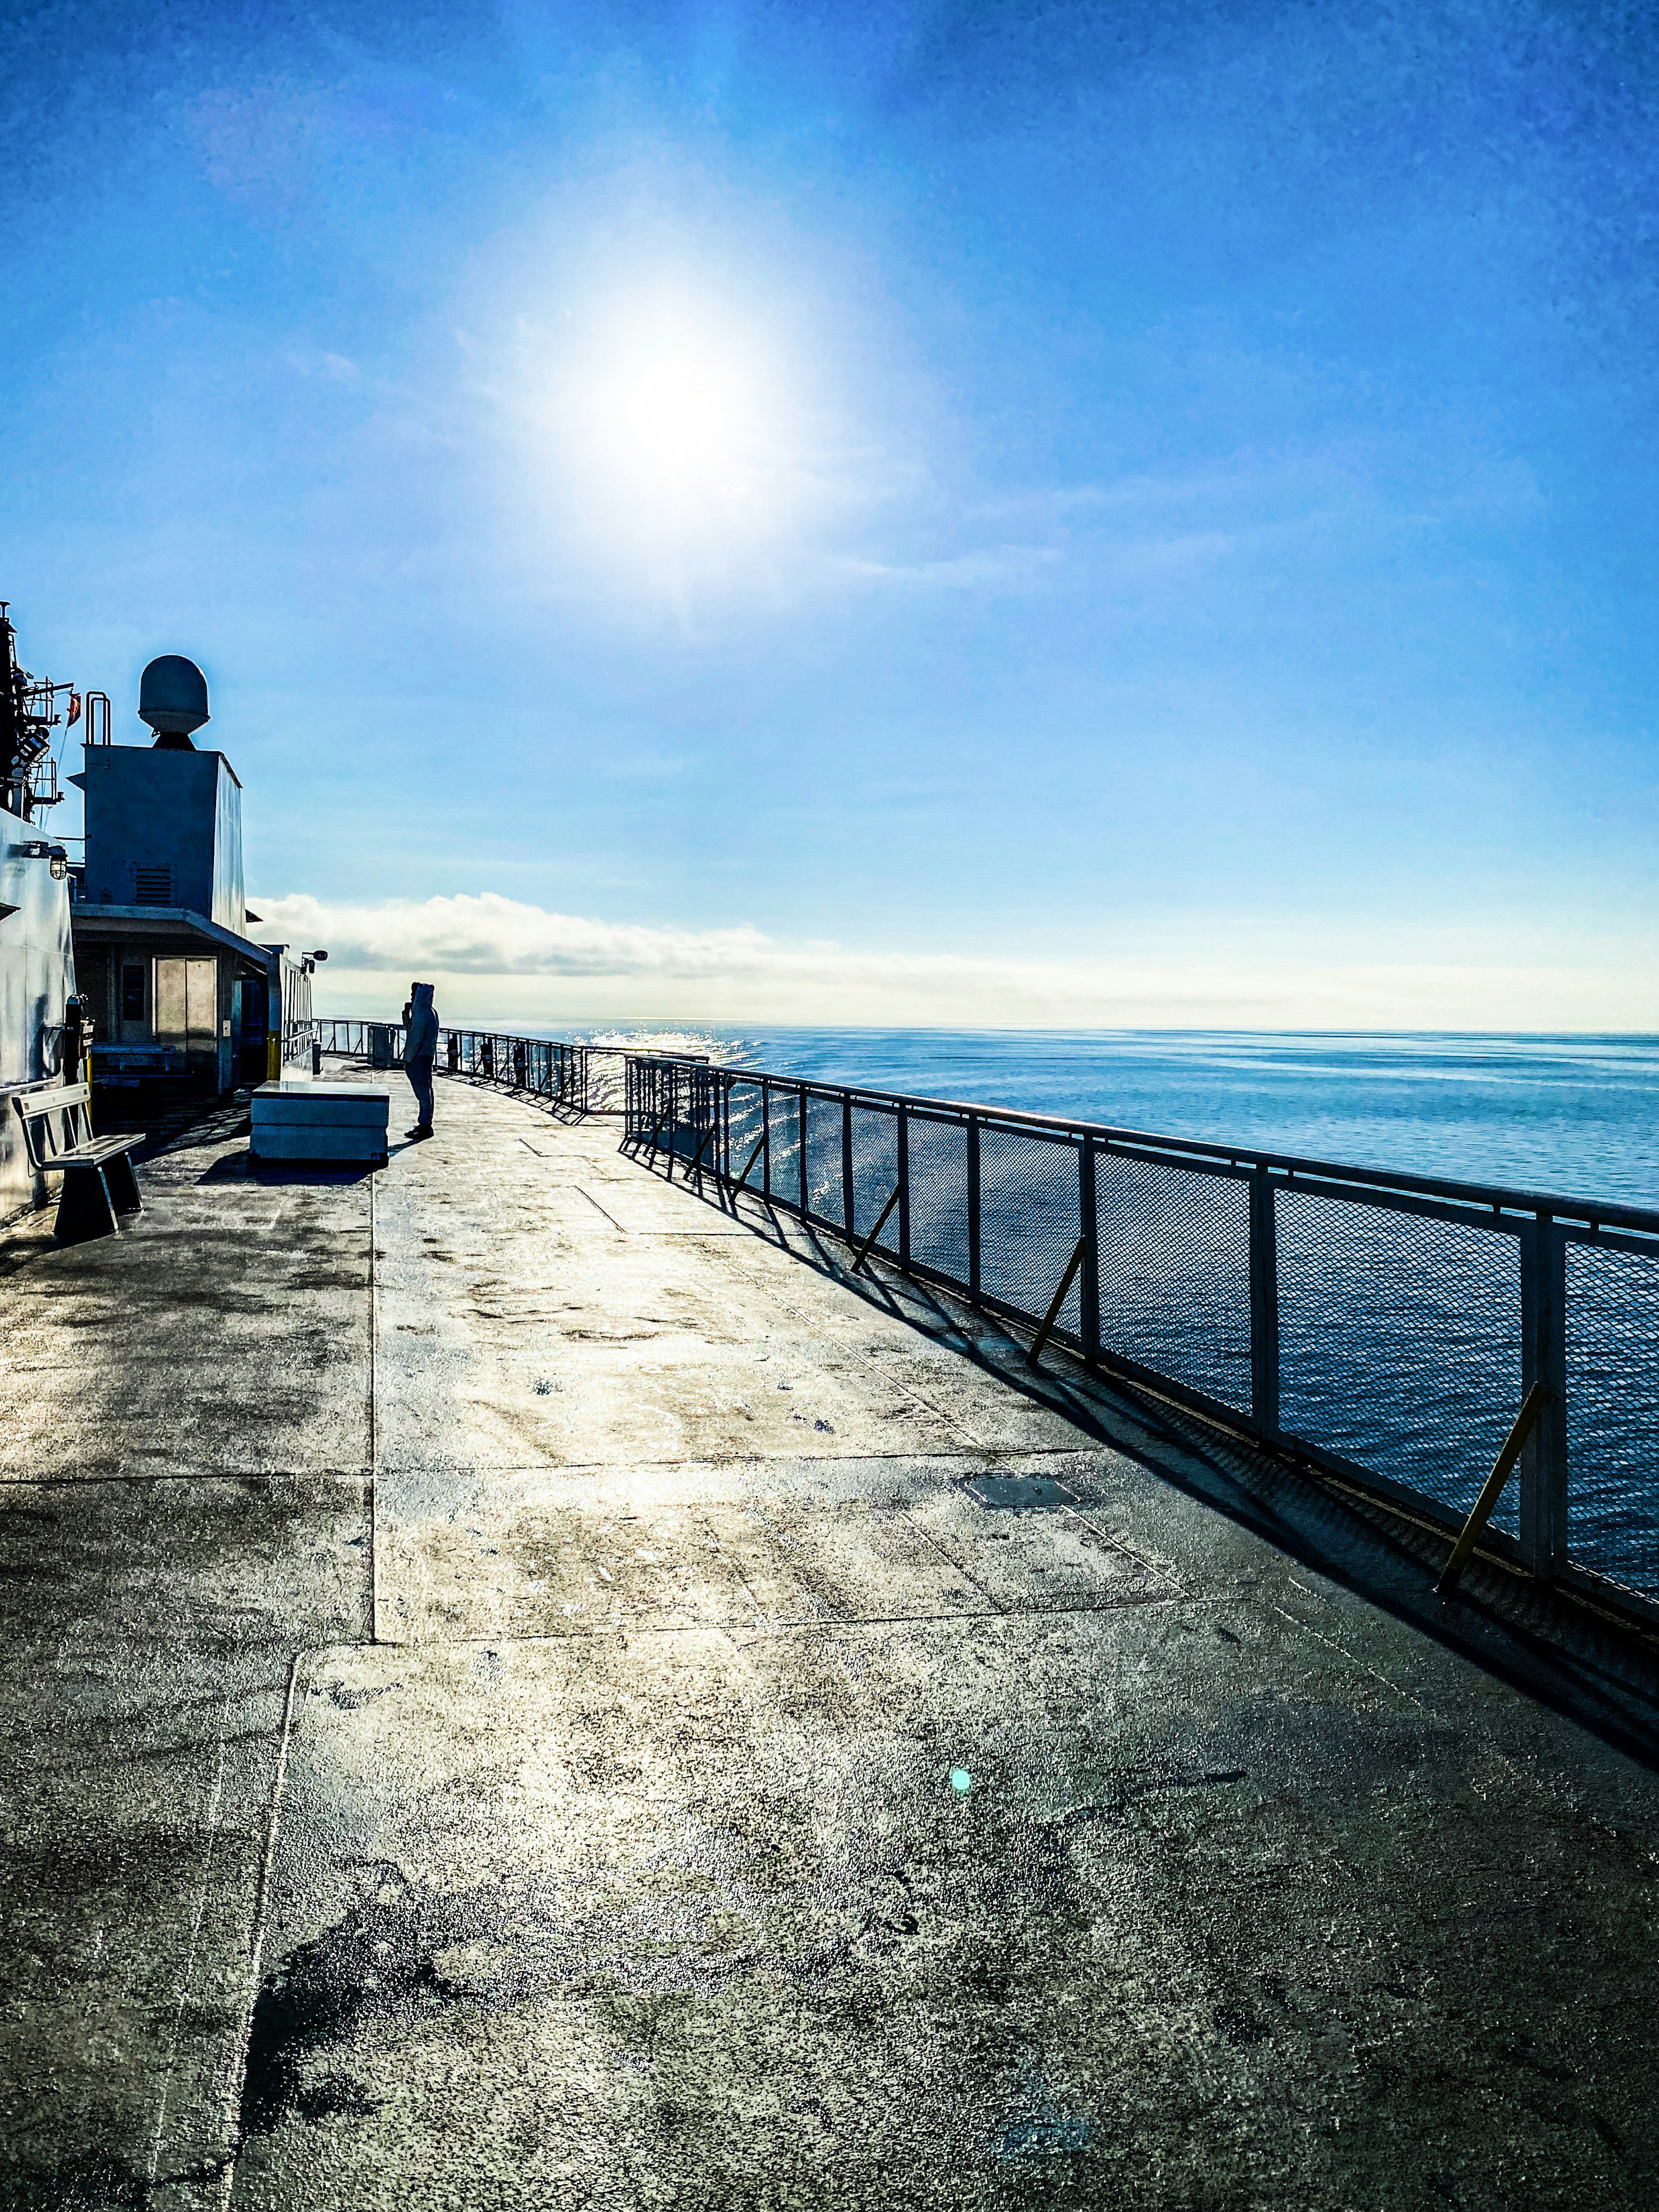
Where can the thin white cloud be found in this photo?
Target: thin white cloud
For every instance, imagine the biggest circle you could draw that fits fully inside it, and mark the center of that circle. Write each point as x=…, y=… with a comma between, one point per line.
x=498, y=959
x=1000, y=567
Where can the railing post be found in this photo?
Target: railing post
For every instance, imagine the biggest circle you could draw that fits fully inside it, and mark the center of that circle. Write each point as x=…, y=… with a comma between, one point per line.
x=800, y=1150
x=1264, y=1304
x=1544, y=1360
x=1088, y=1291
x=903, y=1147
x=973, y=1207
x=766, y=1137
x=846, y=1186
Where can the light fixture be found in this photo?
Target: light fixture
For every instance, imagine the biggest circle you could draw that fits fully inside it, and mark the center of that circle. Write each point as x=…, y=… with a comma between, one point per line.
x=38, y=849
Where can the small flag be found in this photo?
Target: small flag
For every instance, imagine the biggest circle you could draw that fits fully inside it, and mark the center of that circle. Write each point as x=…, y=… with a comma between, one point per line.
x=73, y=715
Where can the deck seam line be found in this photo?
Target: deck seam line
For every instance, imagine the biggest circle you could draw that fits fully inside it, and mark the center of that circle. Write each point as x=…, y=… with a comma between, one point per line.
x=555, y=1467
x=205, y=1475
x=374, y=1424
x=582, y=1191
x=187, y=1977
x=954, y=1565
x=564, y=1466
x=261, y=1907
x=817, y=1624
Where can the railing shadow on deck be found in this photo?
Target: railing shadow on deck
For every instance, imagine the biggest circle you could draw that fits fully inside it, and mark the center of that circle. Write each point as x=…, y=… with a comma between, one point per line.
x=1380, y=1331
x=1596, y=1664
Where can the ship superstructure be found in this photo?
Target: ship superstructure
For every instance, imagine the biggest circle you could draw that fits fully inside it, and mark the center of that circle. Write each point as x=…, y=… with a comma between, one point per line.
x=178, y=991
x=131, y=965
x=37, y=961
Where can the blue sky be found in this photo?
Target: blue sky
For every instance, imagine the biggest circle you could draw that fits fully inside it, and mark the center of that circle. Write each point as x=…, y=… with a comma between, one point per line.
x=959, y=513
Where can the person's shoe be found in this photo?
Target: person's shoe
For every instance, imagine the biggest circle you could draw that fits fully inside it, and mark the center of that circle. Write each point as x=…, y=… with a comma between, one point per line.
x=420, y=1129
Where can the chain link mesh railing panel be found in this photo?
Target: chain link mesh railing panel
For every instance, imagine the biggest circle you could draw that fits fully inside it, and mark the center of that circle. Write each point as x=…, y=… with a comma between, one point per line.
x=664, y=1107
x=824, y=1158
x=743, y=1109
x=1175, y=1273
x=875, y=1173
x=783, y=1144
x=1400, y=1343
x=603, y=1073
x=938, y=1196
x=1029, y=1211
x=670, y=1113
x=1613, y=1414
x=695, y=1133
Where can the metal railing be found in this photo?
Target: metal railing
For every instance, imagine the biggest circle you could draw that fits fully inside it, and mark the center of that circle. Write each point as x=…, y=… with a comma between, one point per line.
x=1384, y=1328
x=536, y=1067
x=579, y=1079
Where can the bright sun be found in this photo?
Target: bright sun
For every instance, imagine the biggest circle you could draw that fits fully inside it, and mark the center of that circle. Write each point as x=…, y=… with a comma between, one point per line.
x=676, y=423
x=675, y=411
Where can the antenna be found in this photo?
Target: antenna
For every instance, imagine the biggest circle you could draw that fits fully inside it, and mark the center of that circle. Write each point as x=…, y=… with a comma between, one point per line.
x=29, y=774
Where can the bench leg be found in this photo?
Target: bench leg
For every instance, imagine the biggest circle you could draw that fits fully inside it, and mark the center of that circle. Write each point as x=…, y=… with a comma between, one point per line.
x=83, y=1207
x=122, y=1184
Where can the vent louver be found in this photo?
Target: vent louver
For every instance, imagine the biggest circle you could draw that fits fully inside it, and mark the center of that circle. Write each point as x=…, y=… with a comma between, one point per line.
x=154, y=886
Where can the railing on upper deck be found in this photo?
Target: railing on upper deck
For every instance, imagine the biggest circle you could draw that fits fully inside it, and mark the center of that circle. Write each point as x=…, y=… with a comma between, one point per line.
x=1383, y=1327
x=580, y=1079
x=538, y=1067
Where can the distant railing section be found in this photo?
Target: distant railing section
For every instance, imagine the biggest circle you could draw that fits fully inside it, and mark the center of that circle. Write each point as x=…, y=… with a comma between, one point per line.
x=538, y=1067
x=1386, y=1328
x=579, y=1079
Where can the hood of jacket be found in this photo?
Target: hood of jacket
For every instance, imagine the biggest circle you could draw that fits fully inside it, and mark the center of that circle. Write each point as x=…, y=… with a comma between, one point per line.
x=422, y=1039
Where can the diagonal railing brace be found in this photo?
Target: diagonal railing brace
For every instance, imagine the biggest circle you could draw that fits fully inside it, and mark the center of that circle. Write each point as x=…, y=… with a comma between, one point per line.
x=1492, y=1489
x=881, y=1222
x=1056, y=1303
x=760, y=1146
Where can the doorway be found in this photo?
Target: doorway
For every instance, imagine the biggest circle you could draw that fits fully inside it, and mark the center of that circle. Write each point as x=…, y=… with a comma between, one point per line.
x=187, y=1011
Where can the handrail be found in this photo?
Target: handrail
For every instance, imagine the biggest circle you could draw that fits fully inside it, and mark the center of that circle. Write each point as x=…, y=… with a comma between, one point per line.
x=1367, y=1322
x=1614, y=1212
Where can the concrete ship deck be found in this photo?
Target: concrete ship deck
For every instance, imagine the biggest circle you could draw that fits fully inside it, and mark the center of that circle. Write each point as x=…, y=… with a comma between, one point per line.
x=486, y=1646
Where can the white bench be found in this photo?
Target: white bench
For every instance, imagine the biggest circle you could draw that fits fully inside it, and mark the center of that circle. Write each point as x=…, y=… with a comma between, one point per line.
x=99, y=1182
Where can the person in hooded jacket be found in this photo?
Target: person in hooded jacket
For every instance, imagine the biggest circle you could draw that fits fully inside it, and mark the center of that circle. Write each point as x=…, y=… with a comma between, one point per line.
x=420, y=1048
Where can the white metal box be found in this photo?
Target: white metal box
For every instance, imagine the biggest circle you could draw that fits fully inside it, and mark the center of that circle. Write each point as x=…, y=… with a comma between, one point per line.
x=338, y=1122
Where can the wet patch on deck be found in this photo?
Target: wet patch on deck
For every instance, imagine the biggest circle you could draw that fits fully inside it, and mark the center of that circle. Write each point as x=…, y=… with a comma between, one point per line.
x=1019, y=1492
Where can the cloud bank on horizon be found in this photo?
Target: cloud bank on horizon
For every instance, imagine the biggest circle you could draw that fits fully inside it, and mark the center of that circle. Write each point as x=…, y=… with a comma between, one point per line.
x=499, y=959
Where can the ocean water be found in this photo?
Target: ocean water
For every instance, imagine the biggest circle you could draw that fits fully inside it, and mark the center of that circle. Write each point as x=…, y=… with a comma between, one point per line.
x=1573, y=1115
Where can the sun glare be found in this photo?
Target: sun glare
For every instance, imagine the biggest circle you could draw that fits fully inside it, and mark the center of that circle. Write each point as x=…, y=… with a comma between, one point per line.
x=675, y=414
x=676, y=423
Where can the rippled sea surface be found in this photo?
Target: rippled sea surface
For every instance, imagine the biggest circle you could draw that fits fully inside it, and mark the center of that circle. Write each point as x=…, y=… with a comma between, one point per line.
x=1578, y=1115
